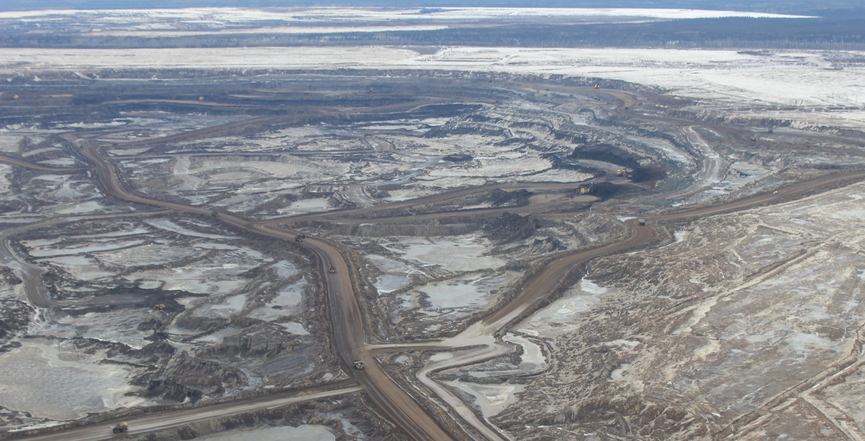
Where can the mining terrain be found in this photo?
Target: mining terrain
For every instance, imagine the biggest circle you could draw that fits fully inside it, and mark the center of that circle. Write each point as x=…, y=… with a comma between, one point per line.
x=432, y=243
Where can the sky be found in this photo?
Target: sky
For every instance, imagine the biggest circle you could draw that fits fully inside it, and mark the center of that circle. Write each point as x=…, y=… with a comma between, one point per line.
x=778, y=6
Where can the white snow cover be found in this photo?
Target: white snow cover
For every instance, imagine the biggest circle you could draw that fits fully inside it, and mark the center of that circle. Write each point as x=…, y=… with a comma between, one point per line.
x=798, y=78
x=237, y=15
x=209, y=21
x=269, y=30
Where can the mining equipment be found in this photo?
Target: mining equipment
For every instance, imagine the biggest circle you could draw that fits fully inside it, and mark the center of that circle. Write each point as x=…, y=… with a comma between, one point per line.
x=121, y=428
x=298, y=238
x=214, y=213
x=641, y=221
x=159, y=306
x=358, y=365
x=585, y=190
x=332, y=270
x=621, y=172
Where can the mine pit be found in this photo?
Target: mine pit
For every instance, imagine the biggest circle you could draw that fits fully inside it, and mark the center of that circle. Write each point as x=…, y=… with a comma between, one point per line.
x=511, y=243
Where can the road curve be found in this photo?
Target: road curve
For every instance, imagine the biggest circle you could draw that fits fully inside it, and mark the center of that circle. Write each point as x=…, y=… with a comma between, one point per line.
x=30, y=274
x=346, y=316
x=548, y=279
x=551, y=276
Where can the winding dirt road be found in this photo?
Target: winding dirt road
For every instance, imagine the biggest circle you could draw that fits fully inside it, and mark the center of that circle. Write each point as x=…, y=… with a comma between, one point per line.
x=482, y=334
x=348, y=322
x=30, y=274
x=640, y=235
x=346, y=317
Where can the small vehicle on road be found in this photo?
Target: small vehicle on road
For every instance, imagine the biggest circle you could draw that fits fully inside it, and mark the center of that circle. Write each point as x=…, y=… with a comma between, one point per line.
x=332, y=270
x=358, y=365
x=121, y=428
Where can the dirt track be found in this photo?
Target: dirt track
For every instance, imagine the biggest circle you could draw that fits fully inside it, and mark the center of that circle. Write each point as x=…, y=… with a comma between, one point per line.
x=347, y=320
x=640, y=235
x=166, y=420
x=11, y=160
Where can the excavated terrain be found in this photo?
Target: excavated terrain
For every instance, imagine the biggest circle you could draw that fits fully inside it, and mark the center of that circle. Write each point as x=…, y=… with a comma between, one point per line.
x=446, y=191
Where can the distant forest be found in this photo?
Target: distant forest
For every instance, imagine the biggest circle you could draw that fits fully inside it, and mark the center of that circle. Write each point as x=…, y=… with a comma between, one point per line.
x=836, y=31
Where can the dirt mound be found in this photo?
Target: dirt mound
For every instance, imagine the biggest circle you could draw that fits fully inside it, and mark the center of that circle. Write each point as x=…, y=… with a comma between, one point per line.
x=509, y=227
x=501, y=198
x=458, y=158
x=191, y=377
x=266, y=341
x=642, y=171
x=14, y=315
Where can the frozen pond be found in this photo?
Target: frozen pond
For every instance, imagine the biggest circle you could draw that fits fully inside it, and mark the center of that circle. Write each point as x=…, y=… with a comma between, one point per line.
x=39, y=250
x=558, y=317
x=491, y=398
x=290, y=296
x=396, y=273
x=119, y=326
x=284, y=269
x=83, y=207
x=218, y=336
x=388, y=283
x=200, y=283
x=306, y=206
x=229, y=306
x=166, y=224
x=283, y=304
x=462, y=253
x=50, y=382
x=533, y=357
x=295, y=328
x=468, y=292
x=4, y=182
x=149, y=254
x=82, y=267
x=221, y=274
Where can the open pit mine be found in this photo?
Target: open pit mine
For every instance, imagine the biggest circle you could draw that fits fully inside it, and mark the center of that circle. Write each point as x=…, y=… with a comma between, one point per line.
x=431, y=244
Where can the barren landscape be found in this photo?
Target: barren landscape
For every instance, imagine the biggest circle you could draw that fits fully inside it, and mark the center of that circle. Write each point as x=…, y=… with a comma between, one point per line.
x=426, y=242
